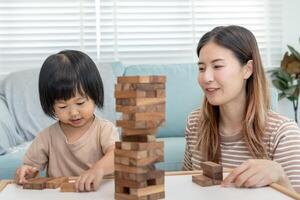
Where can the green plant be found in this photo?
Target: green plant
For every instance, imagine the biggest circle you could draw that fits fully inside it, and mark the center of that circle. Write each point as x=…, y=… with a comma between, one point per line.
x=287, y=78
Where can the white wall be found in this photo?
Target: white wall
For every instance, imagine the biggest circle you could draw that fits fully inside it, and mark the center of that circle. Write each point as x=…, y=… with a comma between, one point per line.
x=291, y=34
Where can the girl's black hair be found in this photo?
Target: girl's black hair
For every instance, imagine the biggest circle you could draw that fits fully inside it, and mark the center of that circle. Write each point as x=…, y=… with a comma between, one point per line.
x=65, y=73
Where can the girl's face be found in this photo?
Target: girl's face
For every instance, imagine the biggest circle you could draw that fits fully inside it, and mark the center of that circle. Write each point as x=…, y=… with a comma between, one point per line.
x=76, y=111
x=221, y=76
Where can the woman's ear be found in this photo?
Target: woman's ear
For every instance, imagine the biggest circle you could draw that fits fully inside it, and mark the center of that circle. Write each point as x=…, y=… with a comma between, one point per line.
x=248, y=69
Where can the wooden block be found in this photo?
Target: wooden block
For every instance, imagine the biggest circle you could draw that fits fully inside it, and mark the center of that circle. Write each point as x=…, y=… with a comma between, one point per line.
x=147, y=108
x=56, y=182
x=139, y=162
x=131, y=94
x=139, y=138
x=139, y=146
x=152, y=174
x=202, y=180
x=124, y=196
x=140, y=124
x=144, y=116
x=141, y=79
x=36, y=183
x=127, y=132
x=140, y=101
x=68, y=187
x=139, y=86
x=147, y=190
x=121, y=183
x=212, y=170
x=131, y=154
x=131, y=169
x=160, y=195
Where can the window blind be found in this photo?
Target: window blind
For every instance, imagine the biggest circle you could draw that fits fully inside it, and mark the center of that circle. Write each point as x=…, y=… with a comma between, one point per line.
x=130, y=31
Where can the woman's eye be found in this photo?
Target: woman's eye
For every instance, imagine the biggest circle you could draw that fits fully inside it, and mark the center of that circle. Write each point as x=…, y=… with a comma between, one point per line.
x=218, y=66
x=62, y=107
x=201, y=69
x=80, y=103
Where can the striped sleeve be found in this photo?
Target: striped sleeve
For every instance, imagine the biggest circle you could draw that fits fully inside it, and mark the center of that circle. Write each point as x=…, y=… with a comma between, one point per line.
x=187, y=163
x=287, y=151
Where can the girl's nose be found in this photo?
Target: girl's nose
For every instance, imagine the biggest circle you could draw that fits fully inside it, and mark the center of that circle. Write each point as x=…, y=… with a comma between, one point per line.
x=74, y=111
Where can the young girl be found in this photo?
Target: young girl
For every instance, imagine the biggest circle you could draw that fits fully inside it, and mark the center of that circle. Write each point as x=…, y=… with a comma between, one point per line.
x=235, y=126
x=79, y=143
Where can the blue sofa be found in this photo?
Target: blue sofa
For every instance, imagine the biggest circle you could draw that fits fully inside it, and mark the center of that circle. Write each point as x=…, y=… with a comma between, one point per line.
x=21, y=116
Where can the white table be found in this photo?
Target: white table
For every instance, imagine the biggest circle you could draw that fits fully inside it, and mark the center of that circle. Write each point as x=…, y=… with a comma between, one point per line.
x=176, y=187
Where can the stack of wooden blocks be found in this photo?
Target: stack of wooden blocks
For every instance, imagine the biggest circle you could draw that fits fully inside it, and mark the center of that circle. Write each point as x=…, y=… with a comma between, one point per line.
x=141, y=99
x=212, y=174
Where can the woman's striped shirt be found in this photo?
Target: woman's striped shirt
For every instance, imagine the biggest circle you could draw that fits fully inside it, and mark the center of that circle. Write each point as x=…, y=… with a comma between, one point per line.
x=282, y=141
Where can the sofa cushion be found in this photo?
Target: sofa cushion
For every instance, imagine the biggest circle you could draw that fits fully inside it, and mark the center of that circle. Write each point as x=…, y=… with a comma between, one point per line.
x=8, y=133
x=182, y=93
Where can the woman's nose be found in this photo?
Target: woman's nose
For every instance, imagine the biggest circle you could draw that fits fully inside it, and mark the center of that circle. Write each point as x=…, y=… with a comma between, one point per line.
x=208, y=75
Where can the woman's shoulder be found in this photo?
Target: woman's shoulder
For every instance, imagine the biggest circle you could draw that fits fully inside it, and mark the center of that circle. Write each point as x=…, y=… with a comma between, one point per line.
x=280, y=125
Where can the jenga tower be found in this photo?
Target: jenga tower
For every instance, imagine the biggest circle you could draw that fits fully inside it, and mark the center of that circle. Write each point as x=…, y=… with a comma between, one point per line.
x=141, y=99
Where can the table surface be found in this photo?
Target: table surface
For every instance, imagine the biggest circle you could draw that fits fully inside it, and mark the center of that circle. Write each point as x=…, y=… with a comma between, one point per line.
x=176, y=187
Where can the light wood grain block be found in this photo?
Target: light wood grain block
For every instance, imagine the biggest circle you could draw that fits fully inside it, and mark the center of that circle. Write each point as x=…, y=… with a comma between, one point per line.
x=212, y=170
x=140, y=101
x=132, y=169
x=139, y=138
x=139, y=86
x=139, y=146
x=140, y=124
x=147, y=108
x=144, y=116
x=56, y=182
x=36, y=183
x=141, y=79
x=68, y=187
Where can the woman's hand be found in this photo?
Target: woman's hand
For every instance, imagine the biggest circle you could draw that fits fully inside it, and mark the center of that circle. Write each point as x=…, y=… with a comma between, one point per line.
x=89, y=180
x=24, y=172
x=256, y=173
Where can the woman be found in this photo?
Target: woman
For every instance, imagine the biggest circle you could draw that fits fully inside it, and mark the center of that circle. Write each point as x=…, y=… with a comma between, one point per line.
x=235, y=126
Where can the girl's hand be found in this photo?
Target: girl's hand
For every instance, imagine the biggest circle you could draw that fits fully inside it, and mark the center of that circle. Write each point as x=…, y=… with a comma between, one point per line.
x=25, y=172
x=255, y=173
x=89, y=180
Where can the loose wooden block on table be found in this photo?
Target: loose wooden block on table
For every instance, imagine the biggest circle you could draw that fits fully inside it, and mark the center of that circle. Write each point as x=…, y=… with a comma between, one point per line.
x=36, y=183
x=68, y=187
x=212, y=170
x=56, y=182
x=205, y=181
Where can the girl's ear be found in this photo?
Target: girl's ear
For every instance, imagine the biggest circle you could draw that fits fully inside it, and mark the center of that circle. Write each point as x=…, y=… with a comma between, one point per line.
x=248, y=69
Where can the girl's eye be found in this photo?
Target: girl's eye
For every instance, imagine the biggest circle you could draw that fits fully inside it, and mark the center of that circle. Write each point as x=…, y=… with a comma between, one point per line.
x=80, y=103
x=62, y=107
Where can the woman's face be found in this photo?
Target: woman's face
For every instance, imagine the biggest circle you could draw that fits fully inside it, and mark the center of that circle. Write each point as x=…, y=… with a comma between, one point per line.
x=221, y=76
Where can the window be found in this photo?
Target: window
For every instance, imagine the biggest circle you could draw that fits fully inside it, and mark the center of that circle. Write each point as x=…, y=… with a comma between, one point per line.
x=130, y=31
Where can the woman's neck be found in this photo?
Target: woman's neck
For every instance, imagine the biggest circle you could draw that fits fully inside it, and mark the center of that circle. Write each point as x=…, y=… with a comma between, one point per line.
x=232, y=117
